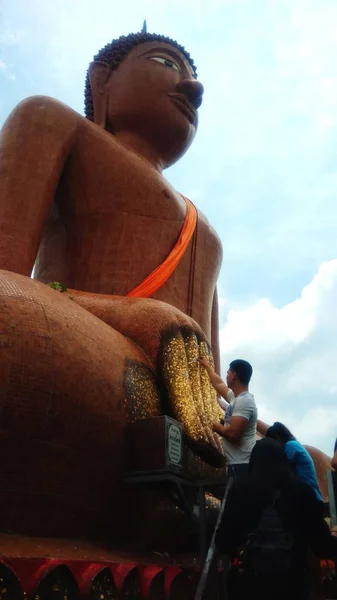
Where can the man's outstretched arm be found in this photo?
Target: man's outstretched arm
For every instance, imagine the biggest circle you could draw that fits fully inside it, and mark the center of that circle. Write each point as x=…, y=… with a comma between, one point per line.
x=216, y=381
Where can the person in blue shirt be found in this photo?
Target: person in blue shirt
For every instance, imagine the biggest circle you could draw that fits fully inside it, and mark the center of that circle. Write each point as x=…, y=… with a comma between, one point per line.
x=271, y=481
x=297, y=456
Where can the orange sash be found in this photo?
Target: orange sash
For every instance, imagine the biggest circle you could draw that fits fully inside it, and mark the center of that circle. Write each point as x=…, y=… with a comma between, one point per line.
x=160, y=275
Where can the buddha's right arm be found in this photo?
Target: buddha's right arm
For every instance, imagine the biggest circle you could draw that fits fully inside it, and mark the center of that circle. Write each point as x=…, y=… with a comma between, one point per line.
x=35, y=143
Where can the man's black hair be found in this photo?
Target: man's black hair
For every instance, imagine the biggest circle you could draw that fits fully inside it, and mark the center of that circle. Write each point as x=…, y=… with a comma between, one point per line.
x=113, y=54
x=243, y=370
x=280, y=430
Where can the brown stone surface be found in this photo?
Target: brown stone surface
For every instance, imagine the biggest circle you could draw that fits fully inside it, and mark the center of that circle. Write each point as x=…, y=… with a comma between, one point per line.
x=17, y=546
x=88, y=204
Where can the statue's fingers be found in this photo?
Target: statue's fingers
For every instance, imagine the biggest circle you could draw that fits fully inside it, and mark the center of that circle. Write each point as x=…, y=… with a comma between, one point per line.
x=178, y=386
x=209, y=394
x=206, y=392
x=192, y=353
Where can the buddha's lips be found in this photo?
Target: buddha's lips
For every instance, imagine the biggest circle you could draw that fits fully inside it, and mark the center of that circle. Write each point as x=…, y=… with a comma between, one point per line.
x=185, y=106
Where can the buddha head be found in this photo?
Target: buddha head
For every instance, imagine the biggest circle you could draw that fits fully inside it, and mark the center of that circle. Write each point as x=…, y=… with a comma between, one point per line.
x=144, y=87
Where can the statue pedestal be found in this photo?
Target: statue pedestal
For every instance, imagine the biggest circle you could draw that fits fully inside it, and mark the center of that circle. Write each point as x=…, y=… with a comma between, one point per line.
x=155, y=445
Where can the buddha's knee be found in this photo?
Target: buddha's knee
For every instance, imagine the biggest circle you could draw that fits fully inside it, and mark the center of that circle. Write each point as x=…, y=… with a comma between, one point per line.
x=49, y=344
x=69, y=386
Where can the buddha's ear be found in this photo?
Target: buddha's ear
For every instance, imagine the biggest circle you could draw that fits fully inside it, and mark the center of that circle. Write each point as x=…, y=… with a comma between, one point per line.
x=99, y=73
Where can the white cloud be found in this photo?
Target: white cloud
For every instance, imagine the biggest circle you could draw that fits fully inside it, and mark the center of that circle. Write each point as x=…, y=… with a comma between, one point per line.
x=317, y=422
x=271, y=328
x=10, y=38
x=6, y=71
x=293, y=350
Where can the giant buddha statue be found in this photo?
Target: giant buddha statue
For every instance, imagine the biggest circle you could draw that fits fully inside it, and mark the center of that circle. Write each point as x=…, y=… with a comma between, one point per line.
x=83, y=202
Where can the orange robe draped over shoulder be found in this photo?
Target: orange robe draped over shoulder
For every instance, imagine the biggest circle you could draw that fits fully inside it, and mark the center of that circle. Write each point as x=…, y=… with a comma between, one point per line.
x=161, y=274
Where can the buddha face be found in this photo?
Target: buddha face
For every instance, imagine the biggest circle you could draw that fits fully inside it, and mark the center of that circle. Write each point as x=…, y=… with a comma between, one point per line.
x=154, y=95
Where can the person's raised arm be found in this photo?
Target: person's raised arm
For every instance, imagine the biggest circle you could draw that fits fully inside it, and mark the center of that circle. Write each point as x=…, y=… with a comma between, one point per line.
x=262, y=427
x=35, y=142
x=216, y=381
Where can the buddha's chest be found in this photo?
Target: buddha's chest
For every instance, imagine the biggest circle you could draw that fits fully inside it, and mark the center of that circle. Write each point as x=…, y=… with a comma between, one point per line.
x=106, y=180
x=117, y=220
x=111, y=198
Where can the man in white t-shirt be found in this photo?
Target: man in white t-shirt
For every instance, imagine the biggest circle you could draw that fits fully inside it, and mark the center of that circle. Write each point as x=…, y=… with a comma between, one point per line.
x=239, y=426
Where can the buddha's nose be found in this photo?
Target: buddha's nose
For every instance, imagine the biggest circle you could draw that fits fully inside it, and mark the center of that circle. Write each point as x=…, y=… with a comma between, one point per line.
x=192, y=89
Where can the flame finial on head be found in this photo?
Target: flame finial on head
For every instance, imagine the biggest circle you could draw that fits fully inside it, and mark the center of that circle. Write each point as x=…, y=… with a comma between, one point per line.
x=144, y=30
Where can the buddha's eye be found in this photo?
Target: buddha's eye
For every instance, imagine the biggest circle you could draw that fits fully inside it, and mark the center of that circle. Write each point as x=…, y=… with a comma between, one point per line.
x=165, y=61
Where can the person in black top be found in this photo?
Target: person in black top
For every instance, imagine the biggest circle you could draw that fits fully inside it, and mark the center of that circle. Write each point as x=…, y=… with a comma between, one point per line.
x=270, y=477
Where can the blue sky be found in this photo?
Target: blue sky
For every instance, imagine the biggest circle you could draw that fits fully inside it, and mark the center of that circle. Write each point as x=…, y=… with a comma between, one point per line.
x=263, y=167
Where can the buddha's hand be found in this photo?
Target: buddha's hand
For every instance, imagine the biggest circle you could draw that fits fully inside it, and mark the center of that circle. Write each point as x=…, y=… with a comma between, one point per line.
x=191, y=396
x=173, y=342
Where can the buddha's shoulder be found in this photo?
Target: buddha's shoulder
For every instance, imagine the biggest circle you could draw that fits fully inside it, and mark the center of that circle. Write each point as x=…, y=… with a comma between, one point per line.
x=206, y=224
x=45, y=108
x=209, y=229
